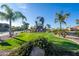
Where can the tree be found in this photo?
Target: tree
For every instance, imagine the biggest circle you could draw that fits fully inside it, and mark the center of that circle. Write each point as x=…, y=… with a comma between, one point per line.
x=25, y=25
x=77, y=21
x=10, y=16
x=61, y=17
x=48, y=26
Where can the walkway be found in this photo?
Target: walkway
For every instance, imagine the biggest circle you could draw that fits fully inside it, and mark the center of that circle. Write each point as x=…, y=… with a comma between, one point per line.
x=5, y=53
x=73, y=38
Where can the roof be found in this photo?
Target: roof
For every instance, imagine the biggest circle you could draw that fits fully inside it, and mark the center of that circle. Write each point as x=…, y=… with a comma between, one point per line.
x=75, y=27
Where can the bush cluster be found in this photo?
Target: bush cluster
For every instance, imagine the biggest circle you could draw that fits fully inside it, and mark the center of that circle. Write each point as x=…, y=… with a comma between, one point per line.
x=59, y=32
x=77, y=33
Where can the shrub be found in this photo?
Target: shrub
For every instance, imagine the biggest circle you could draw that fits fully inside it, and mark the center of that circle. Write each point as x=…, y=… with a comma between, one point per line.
x=77, y=33
x=59, y=32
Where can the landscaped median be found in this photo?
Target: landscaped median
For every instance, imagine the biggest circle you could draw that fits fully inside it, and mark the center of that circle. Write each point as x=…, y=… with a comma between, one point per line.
x=23, y=38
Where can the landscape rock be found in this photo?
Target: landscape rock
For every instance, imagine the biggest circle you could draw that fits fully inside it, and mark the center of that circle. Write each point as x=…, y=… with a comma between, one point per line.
x=37, y=52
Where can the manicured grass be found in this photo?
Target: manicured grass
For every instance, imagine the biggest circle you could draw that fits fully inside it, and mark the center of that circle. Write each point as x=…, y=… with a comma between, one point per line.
x=16, y=42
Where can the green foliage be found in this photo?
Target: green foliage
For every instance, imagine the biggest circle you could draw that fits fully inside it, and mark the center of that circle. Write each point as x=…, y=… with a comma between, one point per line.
x=10, y=16
x=77, y=21
x=48, y=26
x=61, y=17
x=77, y=33
x=59, y=32
x=25, y=26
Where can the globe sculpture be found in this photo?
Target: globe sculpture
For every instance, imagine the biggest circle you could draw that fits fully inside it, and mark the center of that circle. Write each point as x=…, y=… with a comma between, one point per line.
x=39, y=24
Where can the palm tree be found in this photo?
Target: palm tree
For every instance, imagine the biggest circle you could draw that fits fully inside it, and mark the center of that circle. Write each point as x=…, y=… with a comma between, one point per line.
x=77, y=21
x=61, y=17
x=47, y=27
x=10, y=16
x=25, y=25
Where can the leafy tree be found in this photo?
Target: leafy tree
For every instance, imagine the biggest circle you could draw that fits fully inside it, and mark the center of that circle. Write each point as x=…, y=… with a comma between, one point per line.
x=77, y=21
x=10, y=16
x=25, y=25
x=48, y=26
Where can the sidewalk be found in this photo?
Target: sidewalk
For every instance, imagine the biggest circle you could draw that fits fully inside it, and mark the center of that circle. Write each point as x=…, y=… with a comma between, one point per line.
x=5, y=53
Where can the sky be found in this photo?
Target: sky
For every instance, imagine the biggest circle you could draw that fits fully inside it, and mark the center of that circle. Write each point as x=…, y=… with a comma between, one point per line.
x=46, y=10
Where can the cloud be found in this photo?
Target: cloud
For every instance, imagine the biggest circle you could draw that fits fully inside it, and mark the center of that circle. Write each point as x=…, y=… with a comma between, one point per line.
x=22, y=5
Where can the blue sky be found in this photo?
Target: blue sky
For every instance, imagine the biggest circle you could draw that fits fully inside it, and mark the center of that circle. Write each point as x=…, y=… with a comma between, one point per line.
x=47, y=10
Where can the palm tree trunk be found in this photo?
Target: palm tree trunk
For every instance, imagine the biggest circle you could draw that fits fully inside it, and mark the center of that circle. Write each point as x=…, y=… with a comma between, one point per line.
x=60, y=26
x=60, y=29
x=10, y=28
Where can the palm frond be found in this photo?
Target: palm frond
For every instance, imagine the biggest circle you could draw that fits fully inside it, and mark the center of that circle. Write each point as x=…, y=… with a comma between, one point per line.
x=64, y=22
x=25, y=23
x=59, y=16
x=18, y=15
x=48, y=25
x=66, y=15
x=3, y=16
x=7, y=9
x=56, y=20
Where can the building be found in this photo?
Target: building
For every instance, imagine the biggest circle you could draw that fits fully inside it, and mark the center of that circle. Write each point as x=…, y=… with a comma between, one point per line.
x=75, y=28
x=4, y=27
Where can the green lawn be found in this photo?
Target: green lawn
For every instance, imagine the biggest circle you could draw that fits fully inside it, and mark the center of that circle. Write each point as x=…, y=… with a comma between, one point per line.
x=16, y=42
